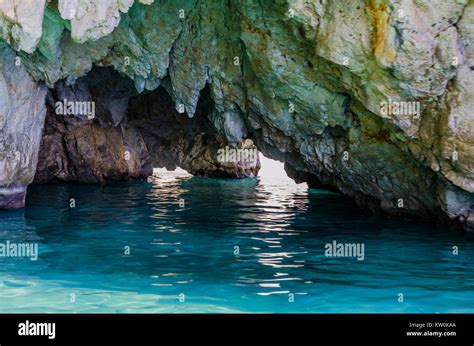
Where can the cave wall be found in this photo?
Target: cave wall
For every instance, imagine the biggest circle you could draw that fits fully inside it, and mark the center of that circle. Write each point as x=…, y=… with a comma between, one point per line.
x=128, y=134
x=307, y=80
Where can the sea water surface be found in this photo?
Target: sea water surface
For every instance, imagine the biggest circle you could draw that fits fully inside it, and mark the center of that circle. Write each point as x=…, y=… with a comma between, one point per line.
x=183, y=244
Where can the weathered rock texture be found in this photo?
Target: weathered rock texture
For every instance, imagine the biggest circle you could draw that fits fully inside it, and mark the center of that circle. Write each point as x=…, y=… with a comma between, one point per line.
x=306, y=80
x=22, y=113
x=129, y=136
x=21, y=23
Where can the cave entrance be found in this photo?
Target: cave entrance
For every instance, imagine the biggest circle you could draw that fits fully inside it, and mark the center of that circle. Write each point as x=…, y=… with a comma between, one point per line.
x=276, y=190
x=128, y=133
x=131, y=133
x=274, y=171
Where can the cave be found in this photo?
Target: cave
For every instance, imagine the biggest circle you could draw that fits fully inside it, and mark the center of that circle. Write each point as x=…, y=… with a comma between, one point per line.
x=212, y=150
x=336, y=122
x=131, y=133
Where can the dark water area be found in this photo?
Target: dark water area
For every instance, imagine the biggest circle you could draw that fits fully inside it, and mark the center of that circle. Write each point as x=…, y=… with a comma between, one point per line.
x=187, y=244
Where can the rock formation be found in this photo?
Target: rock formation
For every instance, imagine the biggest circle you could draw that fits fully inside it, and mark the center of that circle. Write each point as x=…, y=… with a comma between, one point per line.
x=128, y=135
x=373, y=98
x=22, y=113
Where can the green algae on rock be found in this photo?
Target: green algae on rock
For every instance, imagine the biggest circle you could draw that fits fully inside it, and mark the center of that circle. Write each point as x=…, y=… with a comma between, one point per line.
x=304, y=79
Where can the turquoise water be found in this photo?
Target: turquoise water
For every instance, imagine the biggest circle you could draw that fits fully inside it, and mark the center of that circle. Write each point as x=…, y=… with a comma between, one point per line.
x=252, y=245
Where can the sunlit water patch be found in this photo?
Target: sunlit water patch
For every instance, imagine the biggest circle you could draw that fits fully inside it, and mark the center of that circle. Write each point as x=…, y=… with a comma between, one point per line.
x=178, y=243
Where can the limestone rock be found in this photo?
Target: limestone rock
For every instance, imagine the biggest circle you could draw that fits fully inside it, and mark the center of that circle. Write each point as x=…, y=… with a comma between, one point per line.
x=85, y=151
x=21, y=23
x=127, y=141
x=91, y=20
x=371, y=97
x=22, y=113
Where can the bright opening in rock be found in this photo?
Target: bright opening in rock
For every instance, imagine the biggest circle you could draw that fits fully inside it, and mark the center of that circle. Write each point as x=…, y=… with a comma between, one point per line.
x=274, y=171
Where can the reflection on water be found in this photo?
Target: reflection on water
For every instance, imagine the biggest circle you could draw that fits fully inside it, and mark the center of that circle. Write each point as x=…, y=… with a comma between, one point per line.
x=184, y=244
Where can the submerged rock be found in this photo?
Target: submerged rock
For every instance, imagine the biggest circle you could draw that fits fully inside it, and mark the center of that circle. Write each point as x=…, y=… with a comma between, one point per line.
x=372, y=98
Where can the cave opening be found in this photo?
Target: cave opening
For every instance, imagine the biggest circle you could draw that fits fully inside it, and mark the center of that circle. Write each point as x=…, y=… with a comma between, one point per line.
x=183, y=152
x=114, y=132
x=133, y=134
x=274, y=170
